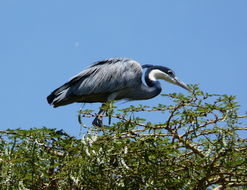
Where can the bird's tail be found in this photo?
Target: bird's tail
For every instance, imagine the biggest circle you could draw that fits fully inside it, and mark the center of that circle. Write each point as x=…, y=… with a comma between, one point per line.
x=58, y=97
x=51, y=98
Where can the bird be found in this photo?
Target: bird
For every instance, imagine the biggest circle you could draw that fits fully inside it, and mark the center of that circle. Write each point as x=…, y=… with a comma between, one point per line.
x=111, y=80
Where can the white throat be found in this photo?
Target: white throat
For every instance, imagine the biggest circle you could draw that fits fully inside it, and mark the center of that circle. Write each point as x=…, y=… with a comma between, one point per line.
x=157, y=74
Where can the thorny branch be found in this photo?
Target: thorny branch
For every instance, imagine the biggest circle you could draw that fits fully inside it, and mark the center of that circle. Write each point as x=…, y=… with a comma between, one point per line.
x=198, y=145
x=167, y=126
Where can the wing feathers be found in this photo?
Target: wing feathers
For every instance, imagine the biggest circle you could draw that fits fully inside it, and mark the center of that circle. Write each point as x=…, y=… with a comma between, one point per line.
x=57, y=92
x=103, y=77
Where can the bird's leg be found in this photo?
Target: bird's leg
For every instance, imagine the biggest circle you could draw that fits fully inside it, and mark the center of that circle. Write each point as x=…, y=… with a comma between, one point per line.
x=98, y=121
x=109, y=112
x=105, y=108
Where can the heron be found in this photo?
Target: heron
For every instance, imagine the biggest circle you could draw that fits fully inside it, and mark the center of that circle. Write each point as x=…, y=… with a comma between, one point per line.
x=111, y=80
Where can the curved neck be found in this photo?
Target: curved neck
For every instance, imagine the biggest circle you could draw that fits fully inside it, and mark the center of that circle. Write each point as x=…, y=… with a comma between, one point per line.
x=154, y=85
x=149, y=82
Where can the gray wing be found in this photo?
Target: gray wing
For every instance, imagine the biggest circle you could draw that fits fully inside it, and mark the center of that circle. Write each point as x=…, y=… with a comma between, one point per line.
x=107, y=76
x=103, y=77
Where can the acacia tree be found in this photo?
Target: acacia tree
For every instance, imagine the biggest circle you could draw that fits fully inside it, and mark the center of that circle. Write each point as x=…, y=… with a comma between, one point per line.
x=198, y=145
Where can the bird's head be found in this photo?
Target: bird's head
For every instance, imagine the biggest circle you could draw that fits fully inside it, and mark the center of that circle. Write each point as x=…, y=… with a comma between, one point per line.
x=155, y=72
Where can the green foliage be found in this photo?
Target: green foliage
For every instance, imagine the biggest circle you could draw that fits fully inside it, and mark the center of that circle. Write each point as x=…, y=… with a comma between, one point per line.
x=196, y=146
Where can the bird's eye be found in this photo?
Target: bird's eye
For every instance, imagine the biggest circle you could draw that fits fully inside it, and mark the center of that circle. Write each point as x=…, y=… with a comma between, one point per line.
x=171, y=73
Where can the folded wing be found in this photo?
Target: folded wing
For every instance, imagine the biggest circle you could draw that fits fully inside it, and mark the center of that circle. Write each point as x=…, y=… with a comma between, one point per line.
x=97, y=82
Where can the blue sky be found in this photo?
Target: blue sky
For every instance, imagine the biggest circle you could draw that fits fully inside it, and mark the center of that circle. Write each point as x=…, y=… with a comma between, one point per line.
x=44, y=43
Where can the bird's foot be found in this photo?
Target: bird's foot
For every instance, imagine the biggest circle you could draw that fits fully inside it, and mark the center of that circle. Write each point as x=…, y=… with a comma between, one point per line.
x=98, y=122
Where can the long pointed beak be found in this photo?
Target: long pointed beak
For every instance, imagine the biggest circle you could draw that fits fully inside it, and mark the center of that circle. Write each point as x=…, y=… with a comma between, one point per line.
x=182, y=84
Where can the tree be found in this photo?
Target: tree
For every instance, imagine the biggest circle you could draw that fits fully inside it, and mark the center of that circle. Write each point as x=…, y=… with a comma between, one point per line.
x=197, y=146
